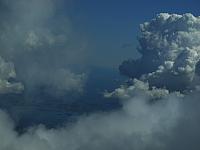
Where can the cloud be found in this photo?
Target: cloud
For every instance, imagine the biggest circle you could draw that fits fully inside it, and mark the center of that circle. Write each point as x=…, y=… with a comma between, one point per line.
x=142, y=123
x=7, y=72
x=60, y=82
x=127, y=92
x=170, y=49
x=137, y=125
x=151, y=116
x=169, y=65
x=42, y=45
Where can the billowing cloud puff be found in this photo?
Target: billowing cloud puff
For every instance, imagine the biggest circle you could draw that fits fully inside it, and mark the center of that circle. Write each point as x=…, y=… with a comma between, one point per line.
x=170, y=51
x=127, y=92
x=7, y=72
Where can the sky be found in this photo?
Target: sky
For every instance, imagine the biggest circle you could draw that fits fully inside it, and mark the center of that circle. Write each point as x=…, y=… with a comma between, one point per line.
x=112, y=26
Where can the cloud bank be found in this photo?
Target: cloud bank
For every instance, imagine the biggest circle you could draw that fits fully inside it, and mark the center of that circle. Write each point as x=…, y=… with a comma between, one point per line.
x=137, y=125
x=42, y=45
x=168, y=122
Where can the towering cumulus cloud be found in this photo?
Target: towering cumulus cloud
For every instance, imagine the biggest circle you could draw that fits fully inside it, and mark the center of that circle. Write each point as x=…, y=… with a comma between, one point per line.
x=170, y=51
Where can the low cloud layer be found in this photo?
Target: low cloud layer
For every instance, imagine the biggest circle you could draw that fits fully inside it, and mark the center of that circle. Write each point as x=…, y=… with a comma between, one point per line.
x=146, y=121
x=137, y=125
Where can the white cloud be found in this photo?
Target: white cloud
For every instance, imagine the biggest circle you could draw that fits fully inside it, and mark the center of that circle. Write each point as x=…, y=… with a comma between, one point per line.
x=170, y=49
x=42, y=45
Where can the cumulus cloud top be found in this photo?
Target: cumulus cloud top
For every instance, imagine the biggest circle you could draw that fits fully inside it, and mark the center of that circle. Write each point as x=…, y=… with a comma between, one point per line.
x=170, y=49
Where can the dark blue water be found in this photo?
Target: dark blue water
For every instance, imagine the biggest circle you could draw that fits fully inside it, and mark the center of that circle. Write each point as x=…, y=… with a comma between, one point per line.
x=41, y=108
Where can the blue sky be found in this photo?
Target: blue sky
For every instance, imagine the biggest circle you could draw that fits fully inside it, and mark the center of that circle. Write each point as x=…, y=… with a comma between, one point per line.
x=111, y=26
